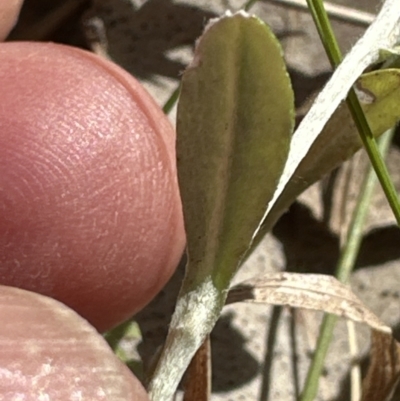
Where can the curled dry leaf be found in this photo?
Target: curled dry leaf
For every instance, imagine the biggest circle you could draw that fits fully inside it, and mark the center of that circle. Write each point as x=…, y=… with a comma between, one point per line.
x=384, y=369
x=325, y=293
x=198, y=374
x=309, y=291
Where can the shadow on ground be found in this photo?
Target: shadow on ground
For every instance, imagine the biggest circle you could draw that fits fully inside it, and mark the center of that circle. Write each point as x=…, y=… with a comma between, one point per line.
x=310, y=247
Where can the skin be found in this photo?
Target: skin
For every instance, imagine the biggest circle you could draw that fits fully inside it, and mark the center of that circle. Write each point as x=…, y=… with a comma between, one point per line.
x=9, y=11
x=61, y=357
x=89, y=201
x=90, y=215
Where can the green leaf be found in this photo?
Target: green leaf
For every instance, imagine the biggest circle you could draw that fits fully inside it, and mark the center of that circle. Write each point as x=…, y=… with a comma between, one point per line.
x=390, y=57
x=235, y=120
x=234, y=125
x=379, y=93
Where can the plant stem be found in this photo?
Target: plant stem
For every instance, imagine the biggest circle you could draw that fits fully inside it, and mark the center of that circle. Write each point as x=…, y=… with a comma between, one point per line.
x=354, y=237
x=344, y=268
x=330, y=44
x=373, y=153
x=170, y=103
x=352, y=245
x=325, y=31
x=314, y=372
x=335, y=11
x=249, y=4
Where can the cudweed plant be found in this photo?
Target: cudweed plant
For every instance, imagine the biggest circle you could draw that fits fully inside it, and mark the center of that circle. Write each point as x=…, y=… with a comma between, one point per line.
x=240, y=166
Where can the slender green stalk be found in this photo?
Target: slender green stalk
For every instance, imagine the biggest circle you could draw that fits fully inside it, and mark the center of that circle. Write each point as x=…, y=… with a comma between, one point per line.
x=249, y=4
x=170, y=103
x=329, y=41
x=351, y=248
x=354, y=237
x=325, y=31
x=373, y=154
x=317, y=364
x=344, y=268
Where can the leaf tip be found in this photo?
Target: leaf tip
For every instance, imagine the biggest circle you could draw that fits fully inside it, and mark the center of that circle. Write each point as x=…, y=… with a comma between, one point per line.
x=213, y=21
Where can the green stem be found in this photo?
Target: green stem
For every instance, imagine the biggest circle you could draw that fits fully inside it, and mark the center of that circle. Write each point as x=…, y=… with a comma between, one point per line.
x=325, y=31
x=354, y=237
x=249, y=4
x=170, y=103
x=351, y=248
x=331, y=46
x=317, y=364
x=373, y=153
x=344, y=268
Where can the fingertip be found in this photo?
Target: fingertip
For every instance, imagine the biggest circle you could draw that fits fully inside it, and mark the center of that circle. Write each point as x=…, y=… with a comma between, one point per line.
x=91, y=213
x=9, y=12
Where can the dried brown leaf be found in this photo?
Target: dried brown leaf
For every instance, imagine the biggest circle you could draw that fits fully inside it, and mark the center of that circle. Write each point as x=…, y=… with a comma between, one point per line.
x=309, y=291
x=384, y=370
x=198, y=375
